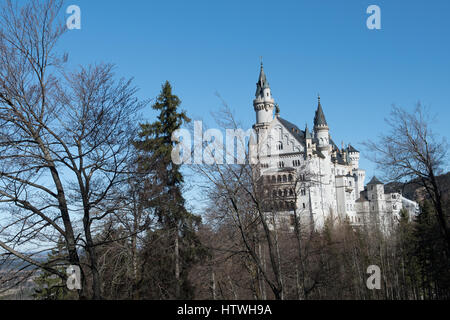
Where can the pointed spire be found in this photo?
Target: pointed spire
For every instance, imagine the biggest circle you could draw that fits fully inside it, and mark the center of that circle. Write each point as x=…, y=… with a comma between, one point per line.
x=319, y=119
x=307, y=133
x=262, y=78
x=262, y=81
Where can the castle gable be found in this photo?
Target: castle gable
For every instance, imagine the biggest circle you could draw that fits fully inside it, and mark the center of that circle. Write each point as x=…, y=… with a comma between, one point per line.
x=291, y=137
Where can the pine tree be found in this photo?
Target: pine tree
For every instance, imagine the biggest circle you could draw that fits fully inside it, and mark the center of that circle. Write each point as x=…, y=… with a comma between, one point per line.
x=430, y=250
x=165, y=182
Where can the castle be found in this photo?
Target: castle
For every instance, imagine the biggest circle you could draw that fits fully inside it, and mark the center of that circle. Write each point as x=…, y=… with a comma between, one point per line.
x=305, y=172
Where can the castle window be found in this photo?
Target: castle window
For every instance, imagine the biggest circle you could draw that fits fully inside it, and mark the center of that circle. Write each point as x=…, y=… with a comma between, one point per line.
x=284, y=178
x=279, y=177
x=304, y=205
x=274, y=179
x=280, y=146
x=290, y=178
x=291, y=192
x=303, y=192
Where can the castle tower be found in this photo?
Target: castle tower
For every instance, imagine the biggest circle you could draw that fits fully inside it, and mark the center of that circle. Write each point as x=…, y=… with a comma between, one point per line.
x=353, y=156
x=375, y=193
x=321, y=128
x=264, y=103
x=308, y=143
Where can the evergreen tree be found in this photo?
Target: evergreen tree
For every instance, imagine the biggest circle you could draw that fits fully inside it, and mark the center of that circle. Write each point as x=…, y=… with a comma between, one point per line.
x=164, y=193
x=430, y=250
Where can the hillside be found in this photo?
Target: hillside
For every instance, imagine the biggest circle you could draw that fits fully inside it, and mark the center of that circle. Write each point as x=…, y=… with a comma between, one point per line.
x=414, y=191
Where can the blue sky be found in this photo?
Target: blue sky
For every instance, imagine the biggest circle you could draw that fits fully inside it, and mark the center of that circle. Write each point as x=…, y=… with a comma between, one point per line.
x=308, y=47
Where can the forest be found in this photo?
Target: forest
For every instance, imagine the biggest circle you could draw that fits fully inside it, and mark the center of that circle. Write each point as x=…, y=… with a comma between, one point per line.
x=85, y=182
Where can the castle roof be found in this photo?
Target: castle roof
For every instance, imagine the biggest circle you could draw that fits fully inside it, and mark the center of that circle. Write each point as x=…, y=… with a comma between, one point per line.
x=351, y=149
x=262, y=83
x=307, y=133
x=294, y=130
x=375, y=181
x=319, y=119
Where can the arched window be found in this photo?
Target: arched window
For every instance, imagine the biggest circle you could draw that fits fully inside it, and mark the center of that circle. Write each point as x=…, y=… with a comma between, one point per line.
x=279, y=179
x=290, y=178
x=284, y=178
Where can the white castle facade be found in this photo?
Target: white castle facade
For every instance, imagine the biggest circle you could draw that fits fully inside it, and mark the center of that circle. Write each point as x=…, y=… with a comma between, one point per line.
x=305, y=172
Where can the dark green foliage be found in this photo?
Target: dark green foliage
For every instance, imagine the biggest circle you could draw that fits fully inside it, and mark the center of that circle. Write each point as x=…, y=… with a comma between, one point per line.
x=164, y=197
x=430, y=252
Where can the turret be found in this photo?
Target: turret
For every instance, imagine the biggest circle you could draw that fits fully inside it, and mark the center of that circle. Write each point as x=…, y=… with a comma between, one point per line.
x=264, y=102
x=321, y=128
x=308, y=142
x=353, y=155
x=375, y=189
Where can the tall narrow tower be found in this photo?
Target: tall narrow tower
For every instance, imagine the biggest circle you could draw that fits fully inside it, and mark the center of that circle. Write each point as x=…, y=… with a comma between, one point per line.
x=264, y=103
x=321, y=128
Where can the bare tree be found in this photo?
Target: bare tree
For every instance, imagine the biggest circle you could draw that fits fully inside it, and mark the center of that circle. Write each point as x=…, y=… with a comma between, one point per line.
x=64, y=140
x=411, y=151
x=235, y=190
